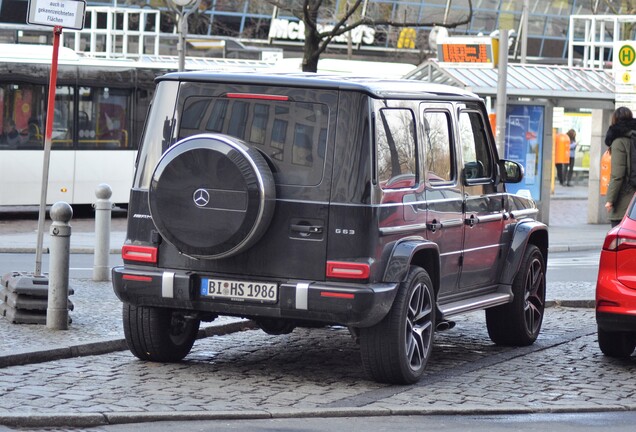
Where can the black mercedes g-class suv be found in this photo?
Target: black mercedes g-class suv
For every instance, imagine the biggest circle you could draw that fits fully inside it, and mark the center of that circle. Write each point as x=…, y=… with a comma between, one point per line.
x=297, y=200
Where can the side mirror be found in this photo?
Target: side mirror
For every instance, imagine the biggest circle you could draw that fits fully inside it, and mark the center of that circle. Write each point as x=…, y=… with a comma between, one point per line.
x=510, y=171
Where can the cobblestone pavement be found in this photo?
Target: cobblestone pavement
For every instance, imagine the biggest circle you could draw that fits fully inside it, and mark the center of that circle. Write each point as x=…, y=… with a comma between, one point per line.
x=309, y=372
x=251, y=374
x=96, y=319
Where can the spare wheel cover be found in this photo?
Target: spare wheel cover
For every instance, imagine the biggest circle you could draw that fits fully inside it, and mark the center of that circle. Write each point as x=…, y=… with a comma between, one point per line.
x=212, y=196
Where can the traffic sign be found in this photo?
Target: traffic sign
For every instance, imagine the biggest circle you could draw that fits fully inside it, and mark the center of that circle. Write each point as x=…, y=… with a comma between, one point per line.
x=624, y=64
x=626, y=55
x=67, y=14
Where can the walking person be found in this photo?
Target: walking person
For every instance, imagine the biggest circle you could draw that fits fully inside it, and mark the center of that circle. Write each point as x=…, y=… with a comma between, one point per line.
x=572, y=134
x=618, y=138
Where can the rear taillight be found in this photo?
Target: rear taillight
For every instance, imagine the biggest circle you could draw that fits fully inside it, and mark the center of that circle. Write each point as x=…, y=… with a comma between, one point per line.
x=347, y=270
x=620, y=239
x=147, y=254
x=137, y=278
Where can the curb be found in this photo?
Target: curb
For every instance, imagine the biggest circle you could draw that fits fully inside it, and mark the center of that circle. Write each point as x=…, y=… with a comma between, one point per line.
x=582, y=304
x=85, y=420
x=575, y=248
x=107, y=346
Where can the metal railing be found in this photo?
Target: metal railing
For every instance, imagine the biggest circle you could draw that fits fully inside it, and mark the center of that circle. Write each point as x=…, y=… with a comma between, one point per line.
x=595, y=35
x=112, y=32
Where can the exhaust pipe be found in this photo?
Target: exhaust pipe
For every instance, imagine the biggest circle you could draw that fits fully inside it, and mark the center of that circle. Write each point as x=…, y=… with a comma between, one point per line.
x=445, y=325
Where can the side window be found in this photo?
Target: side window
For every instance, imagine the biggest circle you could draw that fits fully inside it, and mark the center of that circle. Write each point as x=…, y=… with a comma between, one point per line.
x=158, y=132
x=396, y=149
x=475, y=150
x=193, y=115
x=438, y=147
x=62, y=134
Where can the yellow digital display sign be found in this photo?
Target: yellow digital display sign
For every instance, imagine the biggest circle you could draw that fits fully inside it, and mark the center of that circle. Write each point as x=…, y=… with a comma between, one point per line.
x=465, y=53
x=467, y=50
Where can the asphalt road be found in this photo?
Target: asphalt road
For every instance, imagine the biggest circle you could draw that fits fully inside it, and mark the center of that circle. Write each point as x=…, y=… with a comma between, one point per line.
x=573, y=422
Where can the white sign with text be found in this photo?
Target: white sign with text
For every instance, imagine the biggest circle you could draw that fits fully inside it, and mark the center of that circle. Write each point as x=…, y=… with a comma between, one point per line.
x=62, y=13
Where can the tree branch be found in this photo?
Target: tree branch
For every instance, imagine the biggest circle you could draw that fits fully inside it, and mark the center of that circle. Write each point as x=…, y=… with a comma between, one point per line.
x=310, y=14
x=367, y=21
x=297, y=12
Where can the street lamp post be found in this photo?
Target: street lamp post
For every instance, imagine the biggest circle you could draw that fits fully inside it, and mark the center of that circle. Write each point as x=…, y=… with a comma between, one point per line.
x=180, y=6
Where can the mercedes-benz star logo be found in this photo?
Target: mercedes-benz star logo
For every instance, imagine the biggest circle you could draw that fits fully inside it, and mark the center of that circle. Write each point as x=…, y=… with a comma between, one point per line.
x=201, y=197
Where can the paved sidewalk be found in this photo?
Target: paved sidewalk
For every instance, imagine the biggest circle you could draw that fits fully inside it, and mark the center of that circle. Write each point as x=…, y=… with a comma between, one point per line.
x=568, y=227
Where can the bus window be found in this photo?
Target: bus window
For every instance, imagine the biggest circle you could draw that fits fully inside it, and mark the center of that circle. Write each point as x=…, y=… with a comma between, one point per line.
x=102, y=118
x=62, y=134
x=21, y=116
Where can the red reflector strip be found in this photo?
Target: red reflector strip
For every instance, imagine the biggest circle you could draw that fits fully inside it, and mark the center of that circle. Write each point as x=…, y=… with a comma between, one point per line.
x=137, y=278
x=347, y=270
x=256, y=96
x=139, y=253
x=607, y=303
x=332, y=294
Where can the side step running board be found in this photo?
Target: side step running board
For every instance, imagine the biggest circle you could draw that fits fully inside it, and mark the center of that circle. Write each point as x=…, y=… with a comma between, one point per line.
x=481, y=302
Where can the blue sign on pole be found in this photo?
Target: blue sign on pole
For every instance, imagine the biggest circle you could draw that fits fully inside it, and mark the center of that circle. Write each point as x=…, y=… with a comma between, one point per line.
x=524, y=144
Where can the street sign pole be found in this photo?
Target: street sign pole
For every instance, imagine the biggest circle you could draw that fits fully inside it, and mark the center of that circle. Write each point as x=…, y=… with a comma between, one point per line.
x=59, y=15
x=50, y=114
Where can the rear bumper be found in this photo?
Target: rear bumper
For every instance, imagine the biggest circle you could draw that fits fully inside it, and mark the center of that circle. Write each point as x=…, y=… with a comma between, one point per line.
x=358, y=305
x=615, y=303
x=616, y=322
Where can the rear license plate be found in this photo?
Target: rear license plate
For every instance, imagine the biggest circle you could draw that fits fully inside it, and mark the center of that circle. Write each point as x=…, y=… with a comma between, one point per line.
x=261, y=292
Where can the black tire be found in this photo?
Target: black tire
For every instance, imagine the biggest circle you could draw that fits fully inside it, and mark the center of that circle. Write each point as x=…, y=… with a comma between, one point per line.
x=212, y=196
x=616, y=344
x=397, y=349
x=518, y=323
x=160, y=335
x=275, y=326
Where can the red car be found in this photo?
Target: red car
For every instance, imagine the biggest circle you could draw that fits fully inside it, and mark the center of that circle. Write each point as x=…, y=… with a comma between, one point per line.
x=616, y=289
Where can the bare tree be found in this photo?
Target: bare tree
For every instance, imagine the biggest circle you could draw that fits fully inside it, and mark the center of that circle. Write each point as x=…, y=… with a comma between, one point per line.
x=317, y=38
x=629, y=6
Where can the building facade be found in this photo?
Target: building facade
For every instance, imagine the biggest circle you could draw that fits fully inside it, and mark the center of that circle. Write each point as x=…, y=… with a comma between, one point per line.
x=259, y=22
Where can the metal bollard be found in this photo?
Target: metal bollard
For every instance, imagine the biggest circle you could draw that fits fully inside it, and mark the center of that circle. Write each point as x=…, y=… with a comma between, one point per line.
x=57, y=306
x=103, y=209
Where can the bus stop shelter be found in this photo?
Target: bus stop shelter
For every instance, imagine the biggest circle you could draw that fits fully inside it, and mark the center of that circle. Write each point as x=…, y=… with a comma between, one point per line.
x=549, y=86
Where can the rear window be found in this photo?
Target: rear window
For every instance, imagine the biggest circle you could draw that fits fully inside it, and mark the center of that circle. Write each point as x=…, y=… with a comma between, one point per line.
x=292, y=135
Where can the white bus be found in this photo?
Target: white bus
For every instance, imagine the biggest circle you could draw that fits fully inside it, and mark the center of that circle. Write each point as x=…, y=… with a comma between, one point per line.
x=100, y=108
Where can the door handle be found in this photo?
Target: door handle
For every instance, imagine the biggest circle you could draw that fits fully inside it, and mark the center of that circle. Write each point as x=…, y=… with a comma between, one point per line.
x=471, y=221
x=433, y=225
x=307, y=229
